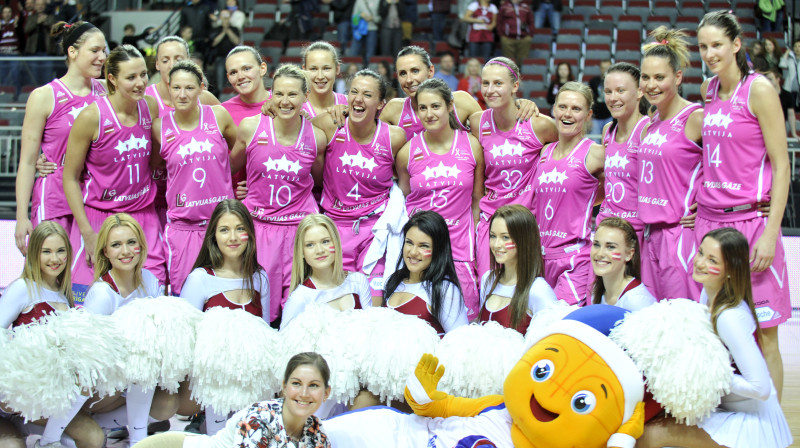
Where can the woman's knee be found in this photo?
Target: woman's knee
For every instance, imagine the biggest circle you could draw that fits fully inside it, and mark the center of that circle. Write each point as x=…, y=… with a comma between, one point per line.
x=164, y=405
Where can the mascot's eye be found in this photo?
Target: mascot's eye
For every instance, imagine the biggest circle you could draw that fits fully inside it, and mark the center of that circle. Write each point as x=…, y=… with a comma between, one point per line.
x=583, y=402
x=542, y=370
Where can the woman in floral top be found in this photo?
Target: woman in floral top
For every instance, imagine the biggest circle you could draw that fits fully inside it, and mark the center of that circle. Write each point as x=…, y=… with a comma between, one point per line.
x=286, y=422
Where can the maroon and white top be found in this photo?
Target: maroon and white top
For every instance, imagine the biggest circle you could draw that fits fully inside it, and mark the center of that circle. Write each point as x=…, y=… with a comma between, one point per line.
x=17, y=307
x=540, y=296
x=634, y=297
x=104, y=298
x=203, y=289
x=355, y=284
x=453, y=313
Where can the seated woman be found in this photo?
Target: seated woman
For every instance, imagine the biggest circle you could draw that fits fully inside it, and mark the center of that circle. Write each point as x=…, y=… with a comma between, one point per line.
x=750, y=415
x=616, y=263
x=425, y=282
x=283, y=422
x=317, y=273
x=515, y=288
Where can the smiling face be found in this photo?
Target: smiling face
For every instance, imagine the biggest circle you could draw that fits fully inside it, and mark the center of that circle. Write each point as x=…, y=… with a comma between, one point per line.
x=184, y=89
x=319, y=250
x=659, y=82
x=503, y=247
x=417, y=251
x=123, y=249
x=53, y=258
x=497, y=87
x=571, y=112
x=91, y=55
x=561, y=393
x=411, y=72
x=304, y=392
x=717, y=49
x=610, y=253
x=364, y=98
x=245, y=73
x=132, y=79
x=288, y=97
x=322, y=70
x=433, y=111
x=709, y=267
x=622, y=95
x=232, y=237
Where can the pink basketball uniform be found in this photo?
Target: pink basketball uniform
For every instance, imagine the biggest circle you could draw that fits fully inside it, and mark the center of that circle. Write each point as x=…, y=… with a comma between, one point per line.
x=163, y=109
x=338, y=98
x=240, y=110
x=118, y=175
x=159, y=175
x=48, y=193
x=622, y=177
x=279, y=177
x=198, y=167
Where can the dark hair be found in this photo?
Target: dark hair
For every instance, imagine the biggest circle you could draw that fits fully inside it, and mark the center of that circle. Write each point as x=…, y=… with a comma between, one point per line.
x=524, y=231
x=439, y=87
x=727, y=22
x=72, y=34
x=123, y=53
x=419, y=51
x=442, y=268
x=776, y=49
x=444, y=53
x=308, y=359
x=669, y=44
x=129, y=26
x=736, y=287
x=570, y=77
x=187, y=65
x=210, y=255
x=382, y=87
x=633, y=268
x=636, y=74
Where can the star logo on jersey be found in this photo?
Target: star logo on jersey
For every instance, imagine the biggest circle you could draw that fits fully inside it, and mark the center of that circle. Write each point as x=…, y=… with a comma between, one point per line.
x=718, y=119
x=617, y=161
x=507, y=149
x=282, y=164
x=655, y=139
x=74, y=111
x=554, y=176
x=441, y=170
x=195, y=147
x=131, y=144
x=358, y=160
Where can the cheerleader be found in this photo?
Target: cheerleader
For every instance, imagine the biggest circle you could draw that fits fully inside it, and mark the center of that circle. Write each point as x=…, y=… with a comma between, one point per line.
x=616, y=264
x=442, y=170
x=359, y=167
x=745, y=162
x=750, y=415
x=566, y=181
x=284, y=160
x=120, y=279
x=43, y=288
x=510, y=148
x=318, y=274
x=321, y=63
x=194, y=141
x=110, y=144
x=425, y=283
x=670, y=169
x=49, y=115
x=515, y=289
x=622, y=139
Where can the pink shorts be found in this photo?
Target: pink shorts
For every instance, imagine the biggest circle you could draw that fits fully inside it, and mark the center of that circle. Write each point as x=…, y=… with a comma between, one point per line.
x=161, y=212
x=354, y=250
x=275, y=250
x=770, y=287
x=667, y=262
x=569, y=275
x=482, y=252
x=47, y=199
x=183, y=242
x=82, y=273
x=465, y=270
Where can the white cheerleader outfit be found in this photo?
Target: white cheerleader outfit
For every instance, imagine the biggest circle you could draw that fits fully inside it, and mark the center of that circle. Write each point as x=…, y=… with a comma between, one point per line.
x=540, y=296
x=104, y=297
x=750, y=415
x=307, y=294
x=203, y=289
x=634, y=297
x=17, y=307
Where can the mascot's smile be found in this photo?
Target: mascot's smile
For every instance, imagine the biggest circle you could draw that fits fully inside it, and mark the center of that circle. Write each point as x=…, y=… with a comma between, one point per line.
x=540, y=413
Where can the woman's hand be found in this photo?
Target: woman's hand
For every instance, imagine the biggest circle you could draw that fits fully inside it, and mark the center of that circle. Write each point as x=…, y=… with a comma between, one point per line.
x=22, y=231
x=688, y=220
x=241, y=190
x=763, y=253
x=339, y=113
x=43, y=167
x=89, y=243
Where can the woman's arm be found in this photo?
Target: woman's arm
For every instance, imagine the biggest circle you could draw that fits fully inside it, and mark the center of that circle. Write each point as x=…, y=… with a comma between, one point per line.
x=478, y=186
x=453, y=313
x=156, y=159
x=245, y=133
x=319, y=163
x=735, y=327
x=226, y=125
x=193, y=290
x=401, y=167
x=98, y=299
x=13, y=302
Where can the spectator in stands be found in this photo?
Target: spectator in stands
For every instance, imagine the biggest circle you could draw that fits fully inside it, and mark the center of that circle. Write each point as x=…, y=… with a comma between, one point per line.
x=408, y=21
x=186, y=33
x=9, y=46
x=471, y=82
x=198, y=16
x=600, y=114
x=562, y=75
x=439, y=11
x=515, y=26
x=342, y=17
x=447, y=65
x=756, y=50
x=552, y=10
x=770, y=15
x=222, y=41
x=391, y=12
x=483, y=16
x=38, y=42
x=62, y=10
x=341, y=83
x=131, y=38
x=772, y=52
x=774, y=76
x=365, y=46
x=791, y=68
x=387, y=73
x=237, y=16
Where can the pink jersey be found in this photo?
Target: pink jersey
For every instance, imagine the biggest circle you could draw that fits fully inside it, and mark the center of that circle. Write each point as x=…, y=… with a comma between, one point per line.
x=622, y=177
x=444, y=183
x=563, y=200
x=511, y=158
x=410, y=122
x=279, y=177
x=48, y=198
x=163, y=109
x=339, y=98
x=198, y=166
x=118, y=175
x=357, y=178
x=240, y=110
x=669, y=176
x=737, y=172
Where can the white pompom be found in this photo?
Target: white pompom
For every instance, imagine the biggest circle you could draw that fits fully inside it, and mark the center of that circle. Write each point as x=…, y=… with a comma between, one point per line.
x=686, y=366
x=477, y=359
x=233, y=360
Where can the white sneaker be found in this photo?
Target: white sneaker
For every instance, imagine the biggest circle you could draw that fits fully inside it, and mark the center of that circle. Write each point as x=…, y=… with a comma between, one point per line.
x=37, y=444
